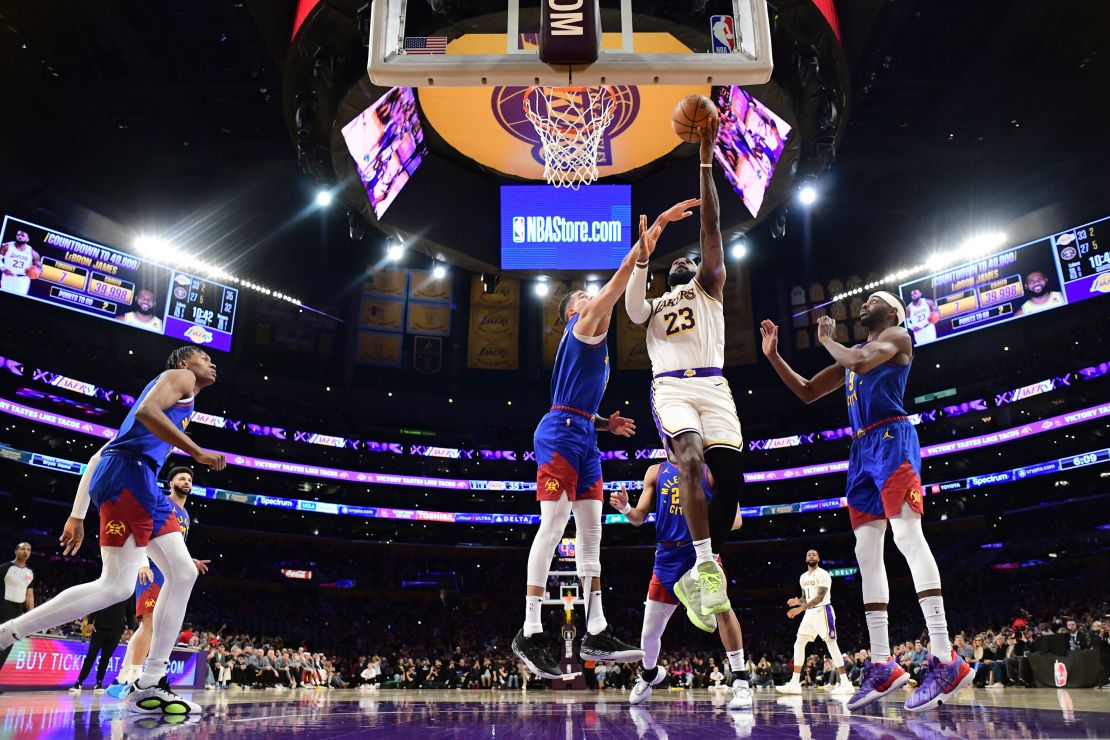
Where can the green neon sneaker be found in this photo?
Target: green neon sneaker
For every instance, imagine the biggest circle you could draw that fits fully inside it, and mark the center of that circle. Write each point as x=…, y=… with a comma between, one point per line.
x=688, y=591
x=714, y=588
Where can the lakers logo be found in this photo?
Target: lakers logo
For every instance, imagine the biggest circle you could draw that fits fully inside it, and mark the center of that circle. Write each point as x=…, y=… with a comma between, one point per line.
x=689, y=374
x=915, y=496
x=551, y=486
x=116, y=528
x=1101, y=283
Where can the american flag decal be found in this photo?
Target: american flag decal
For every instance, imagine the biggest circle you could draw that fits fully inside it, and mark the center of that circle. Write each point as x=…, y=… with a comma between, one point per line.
x=425, y=45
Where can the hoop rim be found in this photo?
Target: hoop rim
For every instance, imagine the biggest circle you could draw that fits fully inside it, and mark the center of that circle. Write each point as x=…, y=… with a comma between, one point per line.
x=602, y=122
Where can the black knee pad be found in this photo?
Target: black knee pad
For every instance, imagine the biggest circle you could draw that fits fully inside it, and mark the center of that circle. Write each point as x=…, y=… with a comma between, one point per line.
x=727, y=466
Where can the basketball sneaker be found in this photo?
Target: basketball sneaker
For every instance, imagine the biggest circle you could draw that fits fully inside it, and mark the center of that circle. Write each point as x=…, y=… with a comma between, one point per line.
x=876, y=681
x=159, y=699
x=118, y=690
x=843, y=687
x=741, y=695
x=75, y=688
x=642, y=690
x=793, y=686
x=99, y=688
x=714, y=588
x=605, y=647
x=941, y=683
x=534, y=654
x=688, y=591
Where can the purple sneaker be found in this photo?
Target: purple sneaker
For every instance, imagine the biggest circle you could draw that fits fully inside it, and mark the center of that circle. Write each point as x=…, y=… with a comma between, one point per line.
x=876, y=681
x=941, y=683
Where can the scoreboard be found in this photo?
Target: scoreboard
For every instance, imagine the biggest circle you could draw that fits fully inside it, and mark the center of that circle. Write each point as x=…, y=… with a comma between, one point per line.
x=1045, y=274
x=49, y=266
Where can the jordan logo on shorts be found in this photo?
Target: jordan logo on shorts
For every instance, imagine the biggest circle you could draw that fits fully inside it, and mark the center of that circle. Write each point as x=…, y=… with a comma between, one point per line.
x=887, y=435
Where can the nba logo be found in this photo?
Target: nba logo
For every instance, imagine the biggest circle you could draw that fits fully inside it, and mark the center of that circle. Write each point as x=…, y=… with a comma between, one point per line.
x=518, y=228
x=1061, y=673
x=722, y=28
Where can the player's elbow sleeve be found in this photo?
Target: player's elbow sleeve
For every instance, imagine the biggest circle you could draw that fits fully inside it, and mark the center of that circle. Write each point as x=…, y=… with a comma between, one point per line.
x=638, y=309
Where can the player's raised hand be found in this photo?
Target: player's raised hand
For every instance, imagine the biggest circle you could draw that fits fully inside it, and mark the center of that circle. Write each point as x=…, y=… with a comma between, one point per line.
x=146, y=575
x=619, y=499
x=795, y=611
x=620, y=425
x=73, y=534
x=770, y=333
x=648, y=239
x=679, y=211
x=202, y=565
x=211, y=460
x=794, y=601
x=826, y=329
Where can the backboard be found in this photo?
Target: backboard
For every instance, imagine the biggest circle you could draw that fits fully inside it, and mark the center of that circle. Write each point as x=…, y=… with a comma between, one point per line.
x=460, y=43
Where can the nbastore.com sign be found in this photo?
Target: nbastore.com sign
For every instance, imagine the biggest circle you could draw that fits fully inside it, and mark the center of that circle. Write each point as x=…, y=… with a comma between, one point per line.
x=547, y=228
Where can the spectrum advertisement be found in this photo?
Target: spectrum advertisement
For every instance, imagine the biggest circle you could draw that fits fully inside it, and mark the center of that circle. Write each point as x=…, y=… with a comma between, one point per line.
x=549, y=228
x=55, y=662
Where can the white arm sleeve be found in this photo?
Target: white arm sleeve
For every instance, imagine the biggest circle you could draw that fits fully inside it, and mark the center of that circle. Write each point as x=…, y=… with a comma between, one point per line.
x=81, y=500
x=635, y=303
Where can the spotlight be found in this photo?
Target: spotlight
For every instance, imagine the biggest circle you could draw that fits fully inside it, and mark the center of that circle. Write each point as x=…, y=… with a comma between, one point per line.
x=739, y=247
x=542, y=288
x=490, y=281
x=592, y=289
x=439, y=271
x=394, y=252
x=152, y=246
x=807, y=195
x=323, y=198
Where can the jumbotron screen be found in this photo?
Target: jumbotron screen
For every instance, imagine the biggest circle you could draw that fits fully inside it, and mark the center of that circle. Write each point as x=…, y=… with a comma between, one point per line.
x=49, y=266
x=1042, y=275
x=749, y=144
x=387, y=143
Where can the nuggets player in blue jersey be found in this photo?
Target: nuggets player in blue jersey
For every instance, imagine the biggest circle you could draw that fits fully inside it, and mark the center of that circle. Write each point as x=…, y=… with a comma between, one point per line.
x=179, y=485
x=569, y=474
x=674, y=556
x=884, y=485
x=136, y=520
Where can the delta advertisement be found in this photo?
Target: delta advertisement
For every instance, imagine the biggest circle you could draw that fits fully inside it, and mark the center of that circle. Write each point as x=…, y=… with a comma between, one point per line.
x=55, y=662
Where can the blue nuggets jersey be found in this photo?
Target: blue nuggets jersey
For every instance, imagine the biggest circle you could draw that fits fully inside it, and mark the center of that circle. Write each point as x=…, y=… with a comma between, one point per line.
x=670, y=522
x=183, y=519
x=136, y=439
x=581, y=372
x=875, y=395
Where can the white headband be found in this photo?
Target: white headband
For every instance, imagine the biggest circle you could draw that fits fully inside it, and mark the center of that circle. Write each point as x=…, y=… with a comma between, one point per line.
x=894, y=303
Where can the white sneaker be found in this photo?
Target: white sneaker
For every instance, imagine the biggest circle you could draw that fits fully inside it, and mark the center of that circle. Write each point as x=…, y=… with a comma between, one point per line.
x=996, y=686
x=790, y=687
x=642, y=690
x=741, y=697
x=843, y=687
x=160, y=700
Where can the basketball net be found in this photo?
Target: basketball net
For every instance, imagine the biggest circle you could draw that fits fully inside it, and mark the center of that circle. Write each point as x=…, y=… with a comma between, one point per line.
x=570, y=122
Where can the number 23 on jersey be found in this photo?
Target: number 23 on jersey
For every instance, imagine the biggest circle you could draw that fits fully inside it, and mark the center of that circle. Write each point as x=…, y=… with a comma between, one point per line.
x=679, y=321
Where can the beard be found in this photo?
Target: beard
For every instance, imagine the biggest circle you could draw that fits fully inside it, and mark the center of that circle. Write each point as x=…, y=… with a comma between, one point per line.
x=682, y=277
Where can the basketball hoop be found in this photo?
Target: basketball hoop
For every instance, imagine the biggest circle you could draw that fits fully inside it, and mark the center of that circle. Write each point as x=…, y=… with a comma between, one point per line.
x=570, y=122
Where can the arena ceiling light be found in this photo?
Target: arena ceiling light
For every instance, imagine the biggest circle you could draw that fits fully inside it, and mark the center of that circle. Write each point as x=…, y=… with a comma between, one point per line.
x=161, y=250
x=394, y=252
x=592, y=288
x=807, y=194
x=739, y=248
x=542, y=288
x=323, y=198
x=439, y=270
x=973, y=248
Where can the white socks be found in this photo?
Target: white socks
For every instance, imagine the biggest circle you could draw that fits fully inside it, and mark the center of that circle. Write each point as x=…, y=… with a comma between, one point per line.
x=936, y=623
x=129, y=673
x=595, y=615
x=704, y=551
x=738, y=665
x=532, y=622
x=878, y=628
x=153, y=672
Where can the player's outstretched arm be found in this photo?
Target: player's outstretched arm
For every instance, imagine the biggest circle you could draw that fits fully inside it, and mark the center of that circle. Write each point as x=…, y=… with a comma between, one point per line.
x=172, y=386
x=637, y=515
x=635, y=296
x=711, y=271
x=892, y=341
x=594, y=320
x=807, y=389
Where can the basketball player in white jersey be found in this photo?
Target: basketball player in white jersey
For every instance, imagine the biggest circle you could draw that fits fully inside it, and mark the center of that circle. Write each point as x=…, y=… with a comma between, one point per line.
x=819, y=621
x=691, y=401
x=918, y=311
x=15, y=259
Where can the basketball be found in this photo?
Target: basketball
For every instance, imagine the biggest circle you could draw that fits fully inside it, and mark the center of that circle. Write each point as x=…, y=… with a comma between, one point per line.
x=691, y=114
x=934, y=317
x=33, y=272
